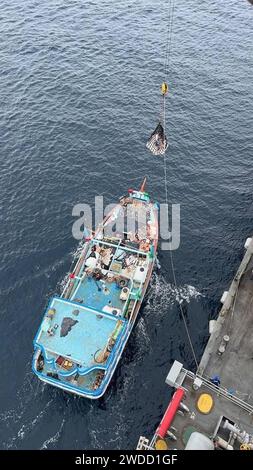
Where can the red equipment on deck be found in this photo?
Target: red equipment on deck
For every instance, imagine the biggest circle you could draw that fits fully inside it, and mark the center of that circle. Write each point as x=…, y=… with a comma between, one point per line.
x=170, y=412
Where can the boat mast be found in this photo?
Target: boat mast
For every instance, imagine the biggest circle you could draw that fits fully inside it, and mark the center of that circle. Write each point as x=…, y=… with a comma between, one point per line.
x=142, y=188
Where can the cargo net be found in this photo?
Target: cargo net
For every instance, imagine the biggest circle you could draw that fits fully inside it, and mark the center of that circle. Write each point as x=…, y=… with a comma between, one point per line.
x=157, y=143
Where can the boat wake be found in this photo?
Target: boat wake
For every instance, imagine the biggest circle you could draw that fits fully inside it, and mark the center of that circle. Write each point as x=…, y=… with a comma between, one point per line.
x=162, y=294
x=51, y=441
x=18, y=421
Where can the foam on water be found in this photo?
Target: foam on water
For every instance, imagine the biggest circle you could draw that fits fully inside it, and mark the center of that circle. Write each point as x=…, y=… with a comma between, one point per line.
x=20, y=415
x=162, y=294
x=52, y=441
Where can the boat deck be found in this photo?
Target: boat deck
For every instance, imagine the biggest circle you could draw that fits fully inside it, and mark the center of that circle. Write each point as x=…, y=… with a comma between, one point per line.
x=89, y=333
x=100, y=294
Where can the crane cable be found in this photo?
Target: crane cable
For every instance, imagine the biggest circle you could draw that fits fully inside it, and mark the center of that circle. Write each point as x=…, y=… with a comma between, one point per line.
x=164, y=89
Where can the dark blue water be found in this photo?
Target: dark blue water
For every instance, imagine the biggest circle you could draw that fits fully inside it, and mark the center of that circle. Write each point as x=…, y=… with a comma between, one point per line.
x=79, y=95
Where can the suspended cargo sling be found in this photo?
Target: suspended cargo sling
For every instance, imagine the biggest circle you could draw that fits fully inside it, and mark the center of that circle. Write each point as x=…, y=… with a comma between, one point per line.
x=157, y=143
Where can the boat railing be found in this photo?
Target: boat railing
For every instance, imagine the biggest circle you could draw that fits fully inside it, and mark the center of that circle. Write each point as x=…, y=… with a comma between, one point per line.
x=125, y=248
x=123, y=338
x=116, y=352
x=221, y=391
x=82, y=255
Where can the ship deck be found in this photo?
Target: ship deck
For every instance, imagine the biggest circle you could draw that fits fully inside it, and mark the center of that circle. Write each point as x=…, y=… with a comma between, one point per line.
x=224, y=375
x=235, y=365
x=99, y=294
x=80, y=342
x=210, y=424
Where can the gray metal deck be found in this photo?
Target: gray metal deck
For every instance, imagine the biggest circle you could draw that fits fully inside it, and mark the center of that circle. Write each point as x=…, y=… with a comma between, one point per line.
x=235, y=365
x=233, y=398
x=224, y=405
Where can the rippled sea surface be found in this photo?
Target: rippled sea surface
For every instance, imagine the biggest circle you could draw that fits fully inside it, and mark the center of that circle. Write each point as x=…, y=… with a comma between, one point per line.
x=79, y=95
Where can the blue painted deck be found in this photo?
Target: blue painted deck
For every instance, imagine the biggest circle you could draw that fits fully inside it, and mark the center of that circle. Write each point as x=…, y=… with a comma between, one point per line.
x=88, y=291
x=85, y=338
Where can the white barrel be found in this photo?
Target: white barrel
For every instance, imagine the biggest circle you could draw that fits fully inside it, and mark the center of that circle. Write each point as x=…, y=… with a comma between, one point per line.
x=140, y=274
